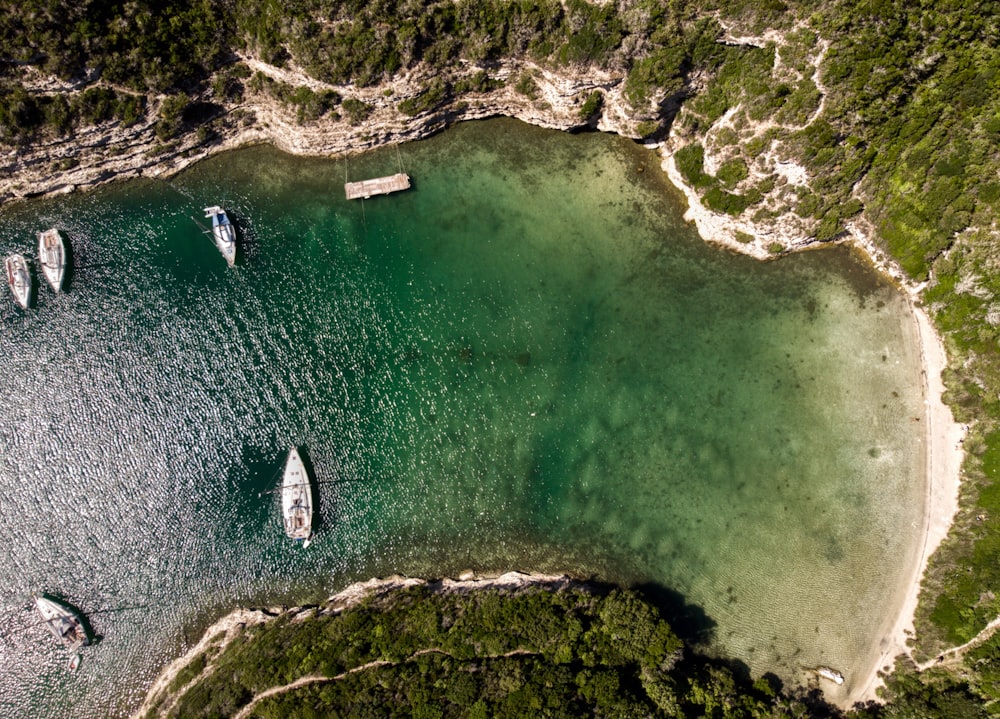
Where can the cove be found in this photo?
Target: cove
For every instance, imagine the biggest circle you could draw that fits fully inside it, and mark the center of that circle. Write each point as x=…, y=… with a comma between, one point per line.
x=528, y=361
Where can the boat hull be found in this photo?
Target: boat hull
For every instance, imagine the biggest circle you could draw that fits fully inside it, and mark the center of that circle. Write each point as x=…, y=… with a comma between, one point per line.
x=19, y=279
x=64, y=623
x=52, y=256
x=296, y=499
x=223, y=233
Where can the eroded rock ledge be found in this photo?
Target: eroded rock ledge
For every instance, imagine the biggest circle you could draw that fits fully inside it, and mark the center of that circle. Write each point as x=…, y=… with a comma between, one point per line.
x=557, y=99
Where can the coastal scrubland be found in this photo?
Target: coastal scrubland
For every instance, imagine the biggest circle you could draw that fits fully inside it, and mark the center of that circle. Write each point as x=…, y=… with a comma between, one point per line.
x=507, y=649
x=579, y=650
x=829, y=117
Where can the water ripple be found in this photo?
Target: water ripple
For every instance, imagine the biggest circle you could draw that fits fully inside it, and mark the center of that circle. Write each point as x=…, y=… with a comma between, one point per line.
x=520, y=372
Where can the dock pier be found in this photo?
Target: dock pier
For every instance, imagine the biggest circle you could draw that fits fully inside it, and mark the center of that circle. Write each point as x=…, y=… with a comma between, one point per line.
x=377, y=186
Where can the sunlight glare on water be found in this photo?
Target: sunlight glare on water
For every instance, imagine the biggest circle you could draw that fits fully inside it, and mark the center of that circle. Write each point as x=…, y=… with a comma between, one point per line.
x=528, y=361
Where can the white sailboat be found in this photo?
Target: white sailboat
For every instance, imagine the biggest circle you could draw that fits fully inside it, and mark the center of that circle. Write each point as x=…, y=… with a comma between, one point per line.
x=296, y=499
x=65, y=624
x=223, y=233
x=52, y=255
x=19, y=279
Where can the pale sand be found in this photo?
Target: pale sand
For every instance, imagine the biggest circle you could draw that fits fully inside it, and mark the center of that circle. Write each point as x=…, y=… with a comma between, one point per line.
x=944, y=455
x=944, y=438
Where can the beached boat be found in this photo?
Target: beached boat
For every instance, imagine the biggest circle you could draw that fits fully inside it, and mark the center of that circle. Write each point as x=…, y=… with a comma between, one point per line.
x=63, y=621
x=52, y=255
x=223, y=233
x=827, y=673
x=296, y=499
x=19, y=279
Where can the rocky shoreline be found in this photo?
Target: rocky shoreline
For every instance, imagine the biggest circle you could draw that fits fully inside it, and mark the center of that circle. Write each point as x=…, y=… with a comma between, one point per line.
x=107, y=153
x=161, y=693
x=101, y=154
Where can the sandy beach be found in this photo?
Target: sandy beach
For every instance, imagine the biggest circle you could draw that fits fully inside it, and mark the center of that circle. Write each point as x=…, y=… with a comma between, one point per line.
x=943, y=455
x=943, y=443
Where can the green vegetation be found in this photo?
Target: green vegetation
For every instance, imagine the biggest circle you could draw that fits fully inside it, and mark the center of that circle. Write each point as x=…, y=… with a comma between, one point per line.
x=582, y=650
x=527, y=86
x=429, y=98
x=574, y=652
x=889, y=107
x=309, y=105
x=592, y=105
x=357, y=110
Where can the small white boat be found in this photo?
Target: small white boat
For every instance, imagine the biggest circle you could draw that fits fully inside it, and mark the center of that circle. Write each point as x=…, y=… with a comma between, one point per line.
x=64, y=622
x=296, y=499
x=223, y=233
x=19, y=279
x=52, y=255
x=830, y=674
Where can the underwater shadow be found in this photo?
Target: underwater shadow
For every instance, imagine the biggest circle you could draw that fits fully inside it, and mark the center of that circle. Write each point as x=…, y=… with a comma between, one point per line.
x=689, y=621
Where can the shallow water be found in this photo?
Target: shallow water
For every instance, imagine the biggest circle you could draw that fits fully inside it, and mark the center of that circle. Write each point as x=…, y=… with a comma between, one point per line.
x=526, y=362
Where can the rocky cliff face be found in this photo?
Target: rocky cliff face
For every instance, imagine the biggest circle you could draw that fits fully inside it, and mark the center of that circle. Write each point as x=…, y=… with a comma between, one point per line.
x=745, y=191
x=106, y=152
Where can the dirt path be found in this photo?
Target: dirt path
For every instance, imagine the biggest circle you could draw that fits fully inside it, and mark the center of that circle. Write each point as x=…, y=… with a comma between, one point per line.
x=303, y=681
x=317, y=679
x=955, y=655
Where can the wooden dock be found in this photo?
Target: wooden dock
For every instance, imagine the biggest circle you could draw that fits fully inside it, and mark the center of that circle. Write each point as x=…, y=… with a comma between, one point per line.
x=377, y=186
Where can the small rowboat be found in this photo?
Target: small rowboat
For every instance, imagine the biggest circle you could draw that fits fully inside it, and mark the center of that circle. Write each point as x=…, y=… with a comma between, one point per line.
x=830, y=674
x=296, y=499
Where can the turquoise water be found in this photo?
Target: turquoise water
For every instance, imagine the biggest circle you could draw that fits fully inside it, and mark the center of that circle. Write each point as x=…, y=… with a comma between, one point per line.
x=526, y=362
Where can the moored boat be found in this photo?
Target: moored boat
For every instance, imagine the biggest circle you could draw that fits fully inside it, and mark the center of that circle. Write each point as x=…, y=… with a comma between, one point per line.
x=63, y=621
x=296, y=499
x=223, y=233
x=19, y=279
x=52, y=256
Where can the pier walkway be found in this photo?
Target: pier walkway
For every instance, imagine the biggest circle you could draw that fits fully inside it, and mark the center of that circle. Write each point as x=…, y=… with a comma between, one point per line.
x=377, y=186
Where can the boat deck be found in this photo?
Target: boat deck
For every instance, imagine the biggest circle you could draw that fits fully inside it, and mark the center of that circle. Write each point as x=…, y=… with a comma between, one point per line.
x=377, y=186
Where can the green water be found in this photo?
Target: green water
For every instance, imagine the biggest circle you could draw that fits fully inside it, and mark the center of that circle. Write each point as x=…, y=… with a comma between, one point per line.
x=526, y=362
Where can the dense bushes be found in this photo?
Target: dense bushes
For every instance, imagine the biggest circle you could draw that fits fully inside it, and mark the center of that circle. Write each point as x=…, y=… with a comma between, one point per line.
x=491, y=653
x=907, y=133
x=139, y=45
